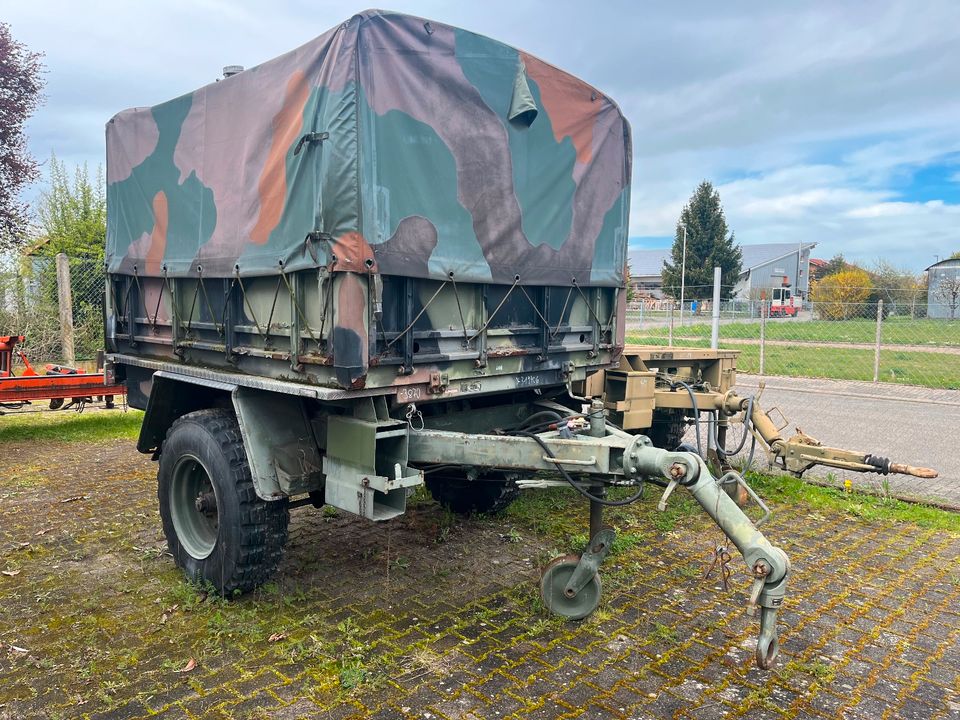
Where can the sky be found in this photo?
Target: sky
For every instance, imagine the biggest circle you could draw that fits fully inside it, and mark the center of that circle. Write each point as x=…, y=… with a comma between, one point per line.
x=826, y=122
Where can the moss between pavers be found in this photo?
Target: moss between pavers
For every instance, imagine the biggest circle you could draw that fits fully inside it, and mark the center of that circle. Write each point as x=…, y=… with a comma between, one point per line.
x=107, y=622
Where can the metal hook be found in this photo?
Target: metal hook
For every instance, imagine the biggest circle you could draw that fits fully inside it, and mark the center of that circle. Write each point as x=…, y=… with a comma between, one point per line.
x=768, y=644
x=413, y=413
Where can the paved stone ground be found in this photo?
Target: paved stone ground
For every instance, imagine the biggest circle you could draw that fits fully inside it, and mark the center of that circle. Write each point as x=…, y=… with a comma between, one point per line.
x=435, y=617
x=909, y=424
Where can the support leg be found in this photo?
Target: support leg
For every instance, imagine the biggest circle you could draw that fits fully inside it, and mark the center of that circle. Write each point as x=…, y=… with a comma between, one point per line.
x=596, y=511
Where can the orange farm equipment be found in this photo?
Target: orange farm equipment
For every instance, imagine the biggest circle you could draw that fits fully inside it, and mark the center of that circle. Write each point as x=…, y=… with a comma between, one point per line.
x=57, y=383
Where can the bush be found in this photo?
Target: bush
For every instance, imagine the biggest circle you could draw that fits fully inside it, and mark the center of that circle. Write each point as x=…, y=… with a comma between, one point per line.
x=842, y=296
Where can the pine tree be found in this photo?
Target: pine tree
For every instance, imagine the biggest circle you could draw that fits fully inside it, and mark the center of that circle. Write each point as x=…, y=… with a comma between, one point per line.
x=836, y=265
x=708, y=245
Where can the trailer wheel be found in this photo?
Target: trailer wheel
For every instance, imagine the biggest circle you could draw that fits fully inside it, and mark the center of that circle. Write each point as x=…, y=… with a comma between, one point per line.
x=668, y=429
x=217, y=529
x=460, y=495
x=554, y=579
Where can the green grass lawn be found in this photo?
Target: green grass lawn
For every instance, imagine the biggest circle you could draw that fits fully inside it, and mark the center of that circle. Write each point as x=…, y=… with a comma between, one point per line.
x=896, y=366
x=895, y=331
x=69, y=426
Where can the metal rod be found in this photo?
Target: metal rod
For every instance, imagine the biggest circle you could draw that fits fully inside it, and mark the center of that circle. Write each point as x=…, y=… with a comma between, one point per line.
x=876, y=350
x=715, y=332
x=763, y=330
x=596, y=511
x=670, y=338
x=683, y=272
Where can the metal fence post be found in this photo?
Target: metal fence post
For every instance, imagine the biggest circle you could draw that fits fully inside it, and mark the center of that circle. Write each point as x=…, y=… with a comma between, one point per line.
x=763, y=332
x=876, y=349
x=670, y=340
x=715, y=332
x=65, y=301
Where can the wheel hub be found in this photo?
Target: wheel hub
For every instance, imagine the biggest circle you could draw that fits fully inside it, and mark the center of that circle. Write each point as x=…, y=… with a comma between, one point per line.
x=558, y=598
x=193, y=507
x=206, y=503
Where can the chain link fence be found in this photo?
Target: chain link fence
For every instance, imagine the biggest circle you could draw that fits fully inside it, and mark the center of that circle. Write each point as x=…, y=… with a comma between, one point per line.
x=32, y=297
x=895, y=337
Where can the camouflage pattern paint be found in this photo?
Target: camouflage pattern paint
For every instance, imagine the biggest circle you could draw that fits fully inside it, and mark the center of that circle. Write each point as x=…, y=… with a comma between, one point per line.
x=444, y=150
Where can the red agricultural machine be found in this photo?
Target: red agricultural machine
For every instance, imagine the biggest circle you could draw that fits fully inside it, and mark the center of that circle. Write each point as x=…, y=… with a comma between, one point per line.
x=64, y=387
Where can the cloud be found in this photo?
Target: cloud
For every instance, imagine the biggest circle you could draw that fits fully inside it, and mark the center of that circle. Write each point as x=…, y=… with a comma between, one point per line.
x=809, y=118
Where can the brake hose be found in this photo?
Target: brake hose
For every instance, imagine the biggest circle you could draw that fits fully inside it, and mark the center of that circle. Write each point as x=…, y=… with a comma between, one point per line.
x=566, y=476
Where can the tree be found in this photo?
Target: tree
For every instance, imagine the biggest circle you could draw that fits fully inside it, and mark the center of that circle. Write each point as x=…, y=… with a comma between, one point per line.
x=948, y=291
x=73, y=212
x=708, y=245
x=842, y=295
x=955, y=256
x=899, y=289
x=21, y=82
x=834, y=265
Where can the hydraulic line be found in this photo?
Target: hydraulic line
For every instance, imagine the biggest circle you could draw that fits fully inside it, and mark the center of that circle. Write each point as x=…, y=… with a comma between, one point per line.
x=696, y=409
x=723, y=452
x=566, y=476
x=712, y=430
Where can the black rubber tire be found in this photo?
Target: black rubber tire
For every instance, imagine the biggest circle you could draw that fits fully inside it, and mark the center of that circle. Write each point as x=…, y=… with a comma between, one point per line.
x=462, y=496
x=251, y=532
x=668, y=429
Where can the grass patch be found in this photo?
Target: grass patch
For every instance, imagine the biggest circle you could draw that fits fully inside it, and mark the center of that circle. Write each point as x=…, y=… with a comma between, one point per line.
x=896, y=331
x=785, y=489
x=67, y=426
x=664, y=634
x=896, y=366
x=902, y=367
x=561, y=516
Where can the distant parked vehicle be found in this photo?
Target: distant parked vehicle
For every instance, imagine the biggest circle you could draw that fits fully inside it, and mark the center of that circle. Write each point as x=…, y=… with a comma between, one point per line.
x=783, y=303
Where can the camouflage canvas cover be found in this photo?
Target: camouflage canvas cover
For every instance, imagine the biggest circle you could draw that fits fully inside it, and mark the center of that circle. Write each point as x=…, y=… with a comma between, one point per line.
x=389, y=144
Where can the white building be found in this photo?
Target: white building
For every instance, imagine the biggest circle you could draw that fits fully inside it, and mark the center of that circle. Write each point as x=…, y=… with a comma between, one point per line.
x=764, y=266
x=943, y=279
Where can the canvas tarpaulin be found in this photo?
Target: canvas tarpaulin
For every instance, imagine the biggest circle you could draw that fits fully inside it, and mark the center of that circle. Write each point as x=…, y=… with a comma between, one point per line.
x=389, y=144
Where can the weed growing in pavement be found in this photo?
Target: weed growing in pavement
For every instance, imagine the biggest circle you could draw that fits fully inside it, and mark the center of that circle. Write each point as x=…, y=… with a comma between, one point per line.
x=664, y=634
x=351, y=664
x=818, y=669
x=761, y=697
x=513, y=536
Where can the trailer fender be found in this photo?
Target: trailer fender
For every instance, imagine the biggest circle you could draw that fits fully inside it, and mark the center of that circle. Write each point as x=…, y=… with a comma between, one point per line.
x=171, y=397
x=278, y=438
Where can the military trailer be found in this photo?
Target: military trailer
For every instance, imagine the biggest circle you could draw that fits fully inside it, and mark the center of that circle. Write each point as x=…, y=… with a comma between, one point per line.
x=391, y=257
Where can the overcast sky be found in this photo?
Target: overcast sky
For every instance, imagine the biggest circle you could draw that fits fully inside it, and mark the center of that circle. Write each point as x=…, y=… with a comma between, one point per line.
x=837, y=123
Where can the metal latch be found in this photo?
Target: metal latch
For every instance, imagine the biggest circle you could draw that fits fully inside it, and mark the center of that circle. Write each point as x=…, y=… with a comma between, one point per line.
x=310, y=137
x=438, y=382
